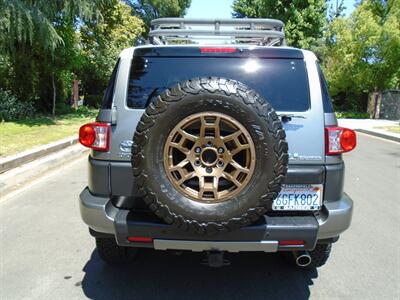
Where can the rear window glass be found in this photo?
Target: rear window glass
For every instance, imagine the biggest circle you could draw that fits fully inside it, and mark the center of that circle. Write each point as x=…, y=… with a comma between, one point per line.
x=326, y=99
x=283, y=82
x=108, y=94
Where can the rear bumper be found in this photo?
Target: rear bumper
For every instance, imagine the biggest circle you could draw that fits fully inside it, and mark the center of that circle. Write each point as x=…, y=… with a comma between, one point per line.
x=230, y=246
x=103, y=217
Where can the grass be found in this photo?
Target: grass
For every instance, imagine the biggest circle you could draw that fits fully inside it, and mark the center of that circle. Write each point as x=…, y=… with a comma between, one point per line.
x=351, y=115
x=21, y=135
x=394, y=129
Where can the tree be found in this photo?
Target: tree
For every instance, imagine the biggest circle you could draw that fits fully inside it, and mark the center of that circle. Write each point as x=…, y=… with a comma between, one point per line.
x=102, y=41
x=148, y=10
x=336, y=10
x=362, y=52
x=33, y=36
x=25, y=21
x=304, y=20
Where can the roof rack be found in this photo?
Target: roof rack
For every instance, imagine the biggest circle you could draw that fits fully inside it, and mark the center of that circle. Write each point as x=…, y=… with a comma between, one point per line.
x=262, y=32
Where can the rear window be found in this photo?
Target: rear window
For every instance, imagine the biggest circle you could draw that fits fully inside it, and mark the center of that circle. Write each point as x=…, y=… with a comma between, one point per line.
x=283, y=82
x=326, y=99
x=108, y=94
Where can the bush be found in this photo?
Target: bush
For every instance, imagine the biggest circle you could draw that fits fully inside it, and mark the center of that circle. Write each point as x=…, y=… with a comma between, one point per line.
x=351, y=115
x=84, y=111
x=93, y=100
x=63, y=108
x=12, y=108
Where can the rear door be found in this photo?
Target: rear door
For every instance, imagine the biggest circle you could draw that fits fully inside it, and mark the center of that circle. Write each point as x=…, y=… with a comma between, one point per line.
x=287, y=78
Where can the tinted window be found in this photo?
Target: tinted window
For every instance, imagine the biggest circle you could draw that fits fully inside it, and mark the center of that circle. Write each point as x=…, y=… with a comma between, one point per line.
x=283, y=82
x=108, y=94
x=326, y=99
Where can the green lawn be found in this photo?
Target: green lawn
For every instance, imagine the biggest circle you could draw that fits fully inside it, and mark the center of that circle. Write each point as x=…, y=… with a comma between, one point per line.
x=22, y=135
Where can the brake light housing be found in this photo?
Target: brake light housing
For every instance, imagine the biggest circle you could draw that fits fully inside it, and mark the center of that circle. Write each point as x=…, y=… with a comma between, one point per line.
x=217, y=49
x=339, y=140
x=95, y=136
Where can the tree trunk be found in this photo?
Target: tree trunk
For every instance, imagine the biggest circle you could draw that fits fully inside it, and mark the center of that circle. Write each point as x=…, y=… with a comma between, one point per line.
x=54, y=95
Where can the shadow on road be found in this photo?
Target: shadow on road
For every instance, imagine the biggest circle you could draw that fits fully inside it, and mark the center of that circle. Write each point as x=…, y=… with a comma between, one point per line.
x=161, y=275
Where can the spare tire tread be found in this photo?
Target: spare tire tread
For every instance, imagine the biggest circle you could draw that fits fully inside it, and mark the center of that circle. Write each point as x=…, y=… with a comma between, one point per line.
x=194, y=87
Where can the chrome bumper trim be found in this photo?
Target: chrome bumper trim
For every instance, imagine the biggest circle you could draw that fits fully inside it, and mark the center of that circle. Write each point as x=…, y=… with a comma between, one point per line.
x=198, y=246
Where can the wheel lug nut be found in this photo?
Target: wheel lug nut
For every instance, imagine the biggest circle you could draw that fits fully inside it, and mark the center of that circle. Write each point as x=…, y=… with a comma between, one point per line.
x=197, y=150
x=209, y=144
x=220, y=150
x=197, y=162
x=220, y=163
x=209, y=170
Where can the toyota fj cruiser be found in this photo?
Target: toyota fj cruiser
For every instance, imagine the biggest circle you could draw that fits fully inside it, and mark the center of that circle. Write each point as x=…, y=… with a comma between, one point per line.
x=216, y=147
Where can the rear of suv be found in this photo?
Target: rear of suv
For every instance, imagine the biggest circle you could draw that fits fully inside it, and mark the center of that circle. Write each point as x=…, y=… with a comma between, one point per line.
x=216, y=148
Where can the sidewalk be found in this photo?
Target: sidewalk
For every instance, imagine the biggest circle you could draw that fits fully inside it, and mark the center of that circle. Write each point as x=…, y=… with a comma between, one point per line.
x=19, y=170
x=372, y=127
x=16, y=160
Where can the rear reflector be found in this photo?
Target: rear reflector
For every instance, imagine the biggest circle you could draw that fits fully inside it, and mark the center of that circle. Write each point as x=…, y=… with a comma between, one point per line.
x=140, y=239
x=217, y=49
x=95, y=136
x=291, y=243
x=339, y=140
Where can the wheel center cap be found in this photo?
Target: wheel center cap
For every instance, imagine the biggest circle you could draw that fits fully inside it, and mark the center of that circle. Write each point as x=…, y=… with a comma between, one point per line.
x=209, y=156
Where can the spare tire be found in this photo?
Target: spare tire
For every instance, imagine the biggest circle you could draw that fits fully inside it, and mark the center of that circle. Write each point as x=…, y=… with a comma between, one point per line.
x=209, y=155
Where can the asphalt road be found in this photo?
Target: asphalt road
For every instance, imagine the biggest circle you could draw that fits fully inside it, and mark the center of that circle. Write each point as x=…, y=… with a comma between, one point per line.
x=47, y=253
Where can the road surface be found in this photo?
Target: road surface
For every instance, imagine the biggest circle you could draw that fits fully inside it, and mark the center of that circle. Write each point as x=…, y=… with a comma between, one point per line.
x=47, y=253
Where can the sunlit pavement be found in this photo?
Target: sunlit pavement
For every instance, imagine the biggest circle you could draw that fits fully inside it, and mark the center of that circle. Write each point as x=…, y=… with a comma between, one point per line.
x=47, y=253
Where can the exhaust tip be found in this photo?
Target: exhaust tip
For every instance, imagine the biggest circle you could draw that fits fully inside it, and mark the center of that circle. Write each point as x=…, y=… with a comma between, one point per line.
x=303, y=259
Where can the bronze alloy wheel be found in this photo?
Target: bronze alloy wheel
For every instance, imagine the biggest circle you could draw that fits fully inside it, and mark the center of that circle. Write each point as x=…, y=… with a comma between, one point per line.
x=209, y=157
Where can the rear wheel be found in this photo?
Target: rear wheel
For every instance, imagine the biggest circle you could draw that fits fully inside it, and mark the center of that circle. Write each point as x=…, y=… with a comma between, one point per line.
x=320, y=255
x=221, y=163
x=110, y=252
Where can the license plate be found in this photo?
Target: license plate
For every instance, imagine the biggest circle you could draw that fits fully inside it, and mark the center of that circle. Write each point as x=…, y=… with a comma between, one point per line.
x=299, y=197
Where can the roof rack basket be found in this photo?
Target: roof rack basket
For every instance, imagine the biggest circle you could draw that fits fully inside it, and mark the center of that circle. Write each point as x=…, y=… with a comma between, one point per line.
x=262, y=32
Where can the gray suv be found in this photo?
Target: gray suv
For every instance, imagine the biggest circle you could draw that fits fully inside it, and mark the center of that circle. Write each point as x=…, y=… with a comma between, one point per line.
x=216, y=147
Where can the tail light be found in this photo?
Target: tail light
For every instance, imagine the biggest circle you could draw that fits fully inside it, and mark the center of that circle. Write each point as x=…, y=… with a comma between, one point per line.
x=339, y=140
x=95, y=136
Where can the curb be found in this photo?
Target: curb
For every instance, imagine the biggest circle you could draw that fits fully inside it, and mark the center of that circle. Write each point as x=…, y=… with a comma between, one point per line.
x=19, y=159
x=18, y=177
x=380, y=135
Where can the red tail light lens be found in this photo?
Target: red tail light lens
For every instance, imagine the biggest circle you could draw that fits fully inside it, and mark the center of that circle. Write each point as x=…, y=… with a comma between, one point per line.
x=140, y=239
x=87, y=135
x=348, y=139
x=217, y=49
x=339, y=140
x=95, y=136
x=291, y=243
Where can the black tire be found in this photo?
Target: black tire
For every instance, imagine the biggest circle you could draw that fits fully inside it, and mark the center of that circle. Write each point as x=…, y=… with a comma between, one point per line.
x=320, y=255
x=218, y=95
x=110, y=252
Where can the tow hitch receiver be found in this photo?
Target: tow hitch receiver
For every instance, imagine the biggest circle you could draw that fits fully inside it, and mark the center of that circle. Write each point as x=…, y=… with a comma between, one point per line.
x=215, y=259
